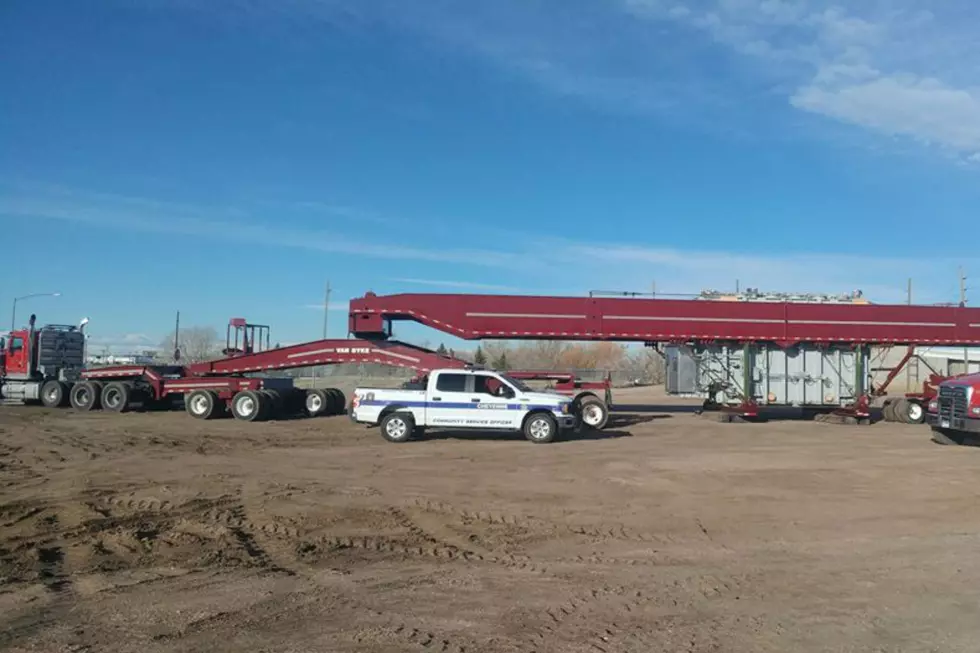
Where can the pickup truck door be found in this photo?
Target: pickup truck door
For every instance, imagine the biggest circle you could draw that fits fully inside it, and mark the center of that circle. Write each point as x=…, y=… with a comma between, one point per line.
x=494, y=397
x=448, y=401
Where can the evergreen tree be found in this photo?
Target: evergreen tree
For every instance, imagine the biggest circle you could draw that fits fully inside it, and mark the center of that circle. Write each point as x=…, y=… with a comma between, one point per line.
x=500, y=363
x=479, y=358
x=442, y=351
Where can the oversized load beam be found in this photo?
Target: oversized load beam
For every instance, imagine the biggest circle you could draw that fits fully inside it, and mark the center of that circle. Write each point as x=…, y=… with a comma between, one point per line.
x=473, y=317
x=327, y=352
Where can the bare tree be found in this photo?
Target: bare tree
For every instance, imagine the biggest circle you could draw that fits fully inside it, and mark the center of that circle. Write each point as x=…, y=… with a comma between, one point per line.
x=199, y=343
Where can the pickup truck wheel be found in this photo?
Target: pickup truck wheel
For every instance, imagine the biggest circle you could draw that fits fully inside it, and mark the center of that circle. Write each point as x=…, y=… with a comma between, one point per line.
x=593, y=413
x=540, y=428
x=946, y=437
x=53, y=394
x=397, y=427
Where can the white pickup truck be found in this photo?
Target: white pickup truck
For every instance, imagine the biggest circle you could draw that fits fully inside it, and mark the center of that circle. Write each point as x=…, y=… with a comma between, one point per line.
x=464, y=399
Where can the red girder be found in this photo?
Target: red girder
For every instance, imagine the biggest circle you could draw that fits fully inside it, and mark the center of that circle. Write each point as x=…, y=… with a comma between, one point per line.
x=509, y=317
x=328, y=352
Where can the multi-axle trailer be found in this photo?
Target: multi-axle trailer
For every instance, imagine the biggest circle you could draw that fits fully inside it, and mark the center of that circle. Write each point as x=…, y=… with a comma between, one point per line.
x=47, y=365
x=740, y=356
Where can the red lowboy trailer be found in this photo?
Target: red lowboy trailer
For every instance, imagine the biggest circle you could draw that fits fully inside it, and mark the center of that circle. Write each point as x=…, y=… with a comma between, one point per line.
x=214, y=388
x=34, y=366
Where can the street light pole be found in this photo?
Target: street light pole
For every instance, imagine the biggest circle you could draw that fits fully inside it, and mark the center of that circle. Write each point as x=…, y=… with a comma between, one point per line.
x=13, y=312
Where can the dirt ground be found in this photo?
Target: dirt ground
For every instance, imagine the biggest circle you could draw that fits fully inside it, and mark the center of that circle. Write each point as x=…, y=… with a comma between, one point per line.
x=666, y=532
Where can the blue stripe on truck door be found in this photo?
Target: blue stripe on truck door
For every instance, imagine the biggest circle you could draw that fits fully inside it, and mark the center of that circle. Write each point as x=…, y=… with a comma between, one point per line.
x=457, y=405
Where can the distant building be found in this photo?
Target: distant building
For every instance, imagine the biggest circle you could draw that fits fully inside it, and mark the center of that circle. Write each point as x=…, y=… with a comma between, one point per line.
x=142, y=358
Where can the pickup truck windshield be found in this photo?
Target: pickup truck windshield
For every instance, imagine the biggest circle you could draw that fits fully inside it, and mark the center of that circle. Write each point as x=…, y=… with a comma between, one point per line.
x=520, y=385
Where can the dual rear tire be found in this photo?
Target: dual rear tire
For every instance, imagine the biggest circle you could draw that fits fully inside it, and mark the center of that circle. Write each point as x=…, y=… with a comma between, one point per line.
x=904, y=410
x=329, y=401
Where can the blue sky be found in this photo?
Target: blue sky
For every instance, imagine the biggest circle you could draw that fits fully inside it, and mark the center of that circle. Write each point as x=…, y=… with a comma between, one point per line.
x=227, y=158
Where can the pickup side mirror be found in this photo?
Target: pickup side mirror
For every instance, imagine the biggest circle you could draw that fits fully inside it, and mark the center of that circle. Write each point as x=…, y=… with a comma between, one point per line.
x=508, y=392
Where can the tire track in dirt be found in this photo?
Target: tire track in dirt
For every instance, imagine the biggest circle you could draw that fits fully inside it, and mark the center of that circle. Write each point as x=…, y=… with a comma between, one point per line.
x=50, y=572
x=690, y=592
x=538, y=524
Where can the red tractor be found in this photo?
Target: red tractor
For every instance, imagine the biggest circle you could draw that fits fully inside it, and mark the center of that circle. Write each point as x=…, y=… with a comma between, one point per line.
x=41, y=364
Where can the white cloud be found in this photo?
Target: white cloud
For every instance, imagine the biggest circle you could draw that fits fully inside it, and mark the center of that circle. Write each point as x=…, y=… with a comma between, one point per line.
x=146, y=215
x=530, y=262
x=893, y=69
x=924, y=109
x=890, y=67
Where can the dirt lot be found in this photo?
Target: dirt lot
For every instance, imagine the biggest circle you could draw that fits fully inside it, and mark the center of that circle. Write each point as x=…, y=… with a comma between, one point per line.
x=667, y=532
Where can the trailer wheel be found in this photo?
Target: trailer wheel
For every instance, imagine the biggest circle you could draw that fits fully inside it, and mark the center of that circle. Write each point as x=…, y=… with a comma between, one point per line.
x=316, y=403
x=275, y=403
x=914, y=412
x=85, y=396
x=397, y=427
x=592, y=412
x=115, y=397
x=886, y=410
x=900, y=410
x=201, y=404
x=247, y=406
x=340, y=401
x=540, y=428
x=53, y=394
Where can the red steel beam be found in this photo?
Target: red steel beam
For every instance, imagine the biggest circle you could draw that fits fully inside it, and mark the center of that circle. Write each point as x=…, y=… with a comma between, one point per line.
x=508, y=317
x=328, y=352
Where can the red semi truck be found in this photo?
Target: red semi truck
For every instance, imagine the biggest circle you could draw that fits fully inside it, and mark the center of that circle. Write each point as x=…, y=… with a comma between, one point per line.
x=954, y=414
x=41, y=364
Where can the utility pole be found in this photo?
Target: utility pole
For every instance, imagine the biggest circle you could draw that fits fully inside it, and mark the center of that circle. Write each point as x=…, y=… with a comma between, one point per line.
x=966, y=350
x=653, y=289
x=908, y=365
x=326, y=309
x=177, y=339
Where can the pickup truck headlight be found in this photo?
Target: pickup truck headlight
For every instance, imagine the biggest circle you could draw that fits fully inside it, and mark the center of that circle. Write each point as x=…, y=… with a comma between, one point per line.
x=564, y=408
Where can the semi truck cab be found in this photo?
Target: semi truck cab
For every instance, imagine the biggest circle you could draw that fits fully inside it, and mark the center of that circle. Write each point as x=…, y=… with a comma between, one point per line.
x=40, y=364
x=954, y=414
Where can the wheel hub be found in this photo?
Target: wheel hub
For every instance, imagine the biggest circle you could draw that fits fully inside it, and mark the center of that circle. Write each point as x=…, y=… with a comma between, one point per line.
x=592, y=415
x=199, y=405
x=246, y=406
x=396, y=428
x=539, y=429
